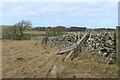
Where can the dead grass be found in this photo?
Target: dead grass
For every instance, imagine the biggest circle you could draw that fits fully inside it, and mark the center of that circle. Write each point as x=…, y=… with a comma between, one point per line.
x=43, y=32
x=34, y=32
x=22, y=59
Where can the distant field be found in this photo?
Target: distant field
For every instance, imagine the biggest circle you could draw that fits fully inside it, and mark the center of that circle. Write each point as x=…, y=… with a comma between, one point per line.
x=43, y=32
x=34, y=32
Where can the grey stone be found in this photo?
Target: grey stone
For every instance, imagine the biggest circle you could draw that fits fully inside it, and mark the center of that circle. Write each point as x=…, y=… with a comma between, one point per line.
x=102, y=43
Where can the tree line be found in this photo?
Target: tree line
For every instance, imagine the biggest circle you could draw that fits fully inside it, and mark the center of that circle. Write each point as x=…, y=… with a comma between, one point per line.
x=16, y=32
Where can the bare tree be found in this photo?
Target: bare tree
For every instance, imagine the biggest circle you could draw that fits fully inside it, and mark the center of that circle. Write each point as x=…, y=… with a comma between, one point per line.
x=20, y=27
x=16, y=31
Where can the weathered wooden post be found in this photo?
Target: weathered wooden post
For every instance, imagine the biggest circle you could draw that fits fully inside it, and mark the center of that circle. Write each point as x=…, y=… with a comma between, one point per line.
x=117, y=44
x=118, y=48
x=0, y=59
x=79, y=37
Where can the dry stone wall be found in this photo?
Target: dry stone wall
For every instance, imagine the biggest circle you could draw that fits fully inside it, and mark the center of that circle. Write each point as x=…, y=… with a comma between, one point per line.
x=64, y=40
x=102, y=44
x=60, y=41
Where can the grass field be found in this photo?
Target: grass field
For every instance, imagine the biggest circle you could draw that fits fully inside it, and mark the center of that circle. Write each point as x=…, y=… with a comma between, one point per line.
x=29, y=59
x=43, y=32
x=34, y=32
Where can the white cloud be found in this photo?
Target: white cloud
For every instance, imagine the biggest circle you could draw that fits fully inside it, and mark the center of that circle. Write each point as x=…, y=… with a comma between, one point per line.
x=59, y=0
x=67, y=9
x=0, y=13
x=17, y=10
x=90, y=13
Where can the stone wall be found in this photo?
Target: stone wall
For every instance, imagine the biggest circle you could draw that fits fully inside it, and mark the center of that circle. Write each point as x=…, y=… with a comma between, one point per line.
x=64, y=40
x=61, y=41
x=102, y=44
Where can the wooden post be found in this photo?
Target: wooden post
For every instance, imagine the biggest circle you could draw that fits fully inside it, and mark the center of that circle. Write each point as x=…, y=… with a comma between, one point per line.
x=0, y=59
x=80, y=42
x=79, y=37
x=117, y=45
x=118, y=48
x=71, y=52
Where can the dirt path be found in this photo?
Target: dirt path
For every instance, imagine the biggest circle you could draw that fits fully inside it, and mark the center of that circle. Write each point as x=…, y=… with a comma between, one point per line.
x=22, y=59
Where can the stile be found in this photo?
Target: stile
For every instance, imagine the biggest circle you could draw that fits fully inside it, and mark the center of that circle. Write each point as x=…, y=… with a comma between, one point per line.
x=84, y=38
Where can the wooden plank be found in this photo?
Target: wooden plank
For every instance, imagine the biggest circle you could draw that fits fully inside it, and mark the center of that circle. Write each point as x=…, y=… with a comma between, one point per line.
x=84, y=38
x=71, y=52
x=68, y=48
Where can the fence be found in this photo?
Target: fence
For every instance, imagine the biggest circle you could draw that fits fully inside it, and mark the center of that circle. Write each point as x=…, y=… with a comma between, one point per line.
x=102, y=44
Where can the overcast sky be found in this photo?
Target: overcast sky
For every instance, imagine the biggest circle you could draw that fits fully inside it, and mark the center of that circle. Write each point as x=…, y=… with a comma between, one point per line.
x=88, y=14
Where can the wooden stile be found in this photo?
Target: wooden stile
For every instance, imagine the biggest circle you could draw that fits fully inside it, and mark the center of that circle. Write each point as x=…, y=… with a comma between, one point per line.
x=75, y=47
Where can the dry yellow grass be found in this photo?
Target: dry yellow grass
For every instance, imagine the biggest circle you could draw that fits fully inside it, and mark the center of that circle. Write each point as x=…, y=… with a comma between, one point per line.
x=29, y=59
x=43, y=32
x=34, y=32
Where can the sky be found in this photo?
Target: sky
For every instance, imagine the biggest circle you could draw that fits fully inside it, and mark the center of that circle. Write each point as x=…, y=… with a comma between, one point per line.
x=44, y=14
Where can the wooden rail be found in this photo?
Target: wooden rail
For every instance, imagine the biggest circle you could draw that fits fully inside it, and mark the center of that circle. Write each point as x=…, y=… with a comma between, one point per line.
x=75, y=47
x=83, y=39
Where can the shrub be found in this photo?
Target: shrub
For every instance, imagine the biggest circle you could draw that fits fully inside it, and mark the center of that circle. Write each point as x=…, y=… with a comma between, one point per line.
x=55, y=31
